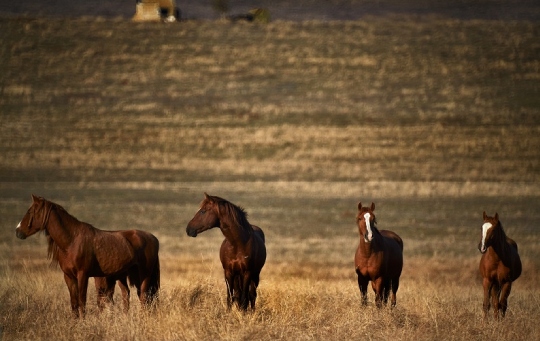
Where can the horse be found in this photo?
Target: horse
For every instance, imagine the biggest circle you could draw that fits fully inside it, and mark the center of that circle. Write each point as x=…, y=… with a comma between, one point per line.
x=500, y=265
x=378, y=258
x=242, y=253
x=83, y=251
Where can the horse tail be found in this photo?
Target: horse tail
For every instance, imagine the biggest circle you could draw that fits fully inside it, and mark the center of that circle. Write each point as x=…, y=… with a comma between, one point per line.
x=153, y=288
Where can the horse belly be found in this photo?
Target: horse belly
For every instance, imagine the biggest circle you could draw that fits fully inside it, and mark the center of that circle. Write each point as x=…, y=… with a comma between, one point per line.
x=394, y=264
x=370, y=270
x=114, y=259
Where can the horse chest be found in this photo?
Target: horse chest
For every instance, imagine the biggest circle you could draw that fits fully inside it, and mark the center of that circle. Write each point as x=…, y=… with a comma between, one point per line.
x=240, y=262
x=493, y=267
x=371, y=271
x=372, y=267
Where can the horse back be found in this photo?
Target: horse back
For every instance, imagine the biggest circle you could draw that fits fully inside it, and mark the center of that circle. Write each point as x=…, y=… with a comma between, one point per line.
x=392, y=237
x=142, y=242
x=258, y=232
x=512, y=243
x=394, y=246
x=515, y=269
x=259, y=250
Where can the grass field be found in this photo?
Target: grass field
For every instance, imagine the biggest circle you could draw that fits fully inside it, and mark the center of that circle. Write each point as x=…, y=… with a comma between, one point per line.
x=127, y=124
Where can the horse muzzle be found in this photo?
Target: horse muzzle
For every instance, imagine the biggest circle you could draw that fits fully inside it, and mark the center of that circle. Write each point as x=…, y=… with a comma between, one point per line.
x=20, y=234
x=366, y=238
x=482, y=248
x=191, y=232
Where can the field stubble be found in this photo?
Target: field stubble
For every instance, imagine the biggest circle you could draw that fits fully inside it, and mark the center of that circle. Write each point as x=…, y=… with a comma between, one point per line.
x=126, y=124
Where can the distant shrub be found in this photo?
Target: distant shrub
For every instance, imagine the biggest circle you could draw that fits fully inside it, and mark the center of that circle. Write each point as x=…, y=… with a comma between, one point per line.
x=221, y=6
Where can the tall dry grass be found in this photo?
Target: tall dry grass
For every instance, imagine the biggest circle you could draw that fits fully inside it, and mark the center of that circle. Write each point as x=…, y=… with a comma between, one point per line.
x=308, y=287
x=35, y=305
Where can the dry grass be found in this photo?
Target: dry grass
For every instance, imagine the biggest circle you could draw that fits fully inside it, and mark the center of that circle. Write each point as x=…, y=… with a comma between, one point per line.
x=308, y=288
x=126, y=124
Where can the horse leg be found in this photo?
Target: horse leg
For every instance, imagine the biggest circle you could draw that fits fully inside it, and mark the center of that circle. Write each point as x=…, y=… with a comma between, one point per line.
x=237, y=290
x=495, y=293
x=134, y=280
x=386, y=291
x=73, y=294
x=395, y=286
x=505, y=292
x=253, y=291
x=229, y=281
x=362, y=285
x=104, y=290
x=245, y=291
x=143, y=292
x=377, y=286
x=82, y=281
x=124, y=288
x=101, y=290
x=488, y=287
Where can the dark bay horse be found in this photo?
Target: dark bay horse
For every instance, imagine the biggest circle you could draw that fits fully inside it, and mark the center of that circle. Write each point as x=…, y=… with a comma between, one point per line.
x=379, y=258
x=242, y=253
x=500, y=265
x=83, y=251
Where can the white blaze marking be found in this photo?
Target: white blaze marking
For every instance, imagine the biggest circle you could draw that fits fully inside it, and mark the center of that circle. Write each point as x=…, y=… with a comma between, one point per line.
x=19, y=226
x=368, y=227
x=485, y=229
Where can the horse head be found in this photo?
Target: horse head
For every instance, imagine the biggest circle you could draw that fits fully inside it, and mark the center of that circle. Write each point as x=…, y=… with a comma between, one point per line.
x=487, y=231
x=366, y=221
x=207, y=217
x=35, y=219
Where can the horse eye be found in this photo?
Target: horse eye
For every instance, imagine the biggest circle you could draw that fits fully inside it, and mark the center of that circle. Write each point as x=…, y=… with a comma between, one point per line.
x=202, y=211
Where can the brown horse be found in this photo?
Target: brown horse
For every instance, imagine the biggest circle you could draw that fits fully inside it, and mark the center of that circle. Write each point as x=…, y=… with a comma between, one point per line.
x=379, y=258
x=500, y=265
x=83, y=251
x=242, y=253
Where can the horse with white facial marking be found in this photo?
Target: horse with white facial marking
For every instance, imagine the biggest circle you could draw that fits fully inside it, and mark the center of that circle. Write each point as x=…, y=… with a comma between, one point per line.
x=242, y=253
x=379, y=258
x=500, y=265
x=83, y=251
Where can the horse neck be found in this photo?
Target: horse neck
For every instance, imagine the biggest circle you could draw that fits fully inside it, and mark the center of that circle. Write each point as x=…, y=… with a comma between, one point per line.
x=500, y=244
x=235, y=232
x=60, y=227
x=374, y=245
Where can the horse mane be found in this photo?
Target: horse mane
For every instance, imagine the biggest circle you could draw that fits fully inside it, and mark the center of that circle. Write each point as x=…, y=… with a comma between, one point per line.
x=505, y=241
x=52, y=248
x=236, y=213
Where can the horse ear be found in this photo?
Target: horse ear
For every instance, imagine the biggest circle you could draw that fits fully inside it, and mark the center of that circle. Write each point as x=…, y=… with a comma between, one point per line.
x=359, y=206
x=372, y=206
x=208, y=197
x=35, y=198
x=496, y=216
x=484, y=216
